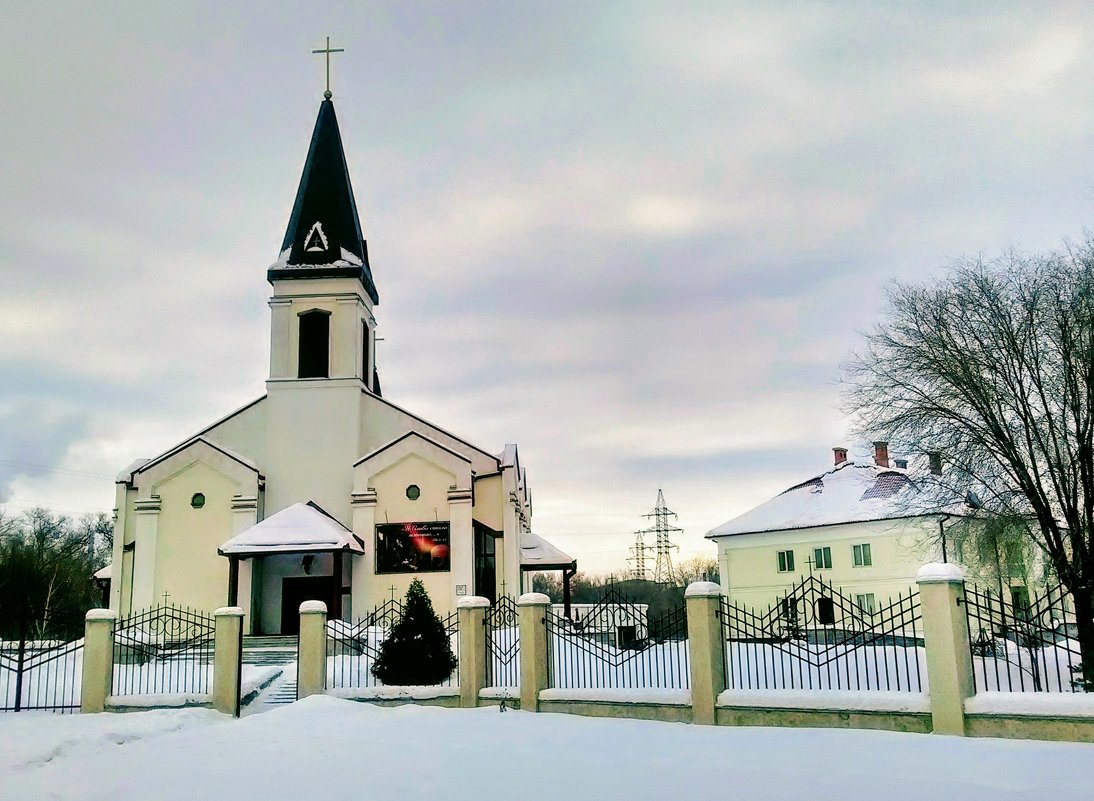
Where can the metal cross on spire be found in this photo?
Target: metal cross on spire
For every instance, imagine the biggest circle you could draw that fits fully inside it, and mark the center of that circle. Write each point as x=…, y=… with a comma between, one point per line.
x=326, y=52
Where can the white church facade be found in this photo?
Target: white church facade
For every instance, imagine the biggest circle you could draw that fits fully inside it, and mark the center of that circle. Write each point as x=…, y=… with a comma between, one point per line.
x=322, y=488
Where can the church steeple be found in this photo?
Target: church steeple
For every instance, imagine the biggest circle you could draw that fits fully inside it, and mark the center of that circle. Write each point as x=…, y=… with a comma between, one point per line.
x=323, y=238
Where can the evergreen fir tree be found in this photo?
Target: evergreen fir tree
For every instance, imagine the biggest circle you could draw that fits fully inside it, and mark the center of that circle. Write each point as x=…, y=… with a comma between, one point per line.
x=417, y=651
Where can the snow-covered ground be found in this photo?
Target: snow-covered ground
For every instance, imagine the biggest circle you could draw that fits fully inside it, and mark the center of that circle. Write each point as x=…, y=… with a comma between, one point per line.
x=324, y=747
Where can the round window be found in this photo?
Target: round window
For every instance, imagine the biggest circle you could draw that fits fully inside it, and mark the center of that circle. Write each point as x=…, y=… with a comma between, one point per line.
x=413, y=492
x=198, y=500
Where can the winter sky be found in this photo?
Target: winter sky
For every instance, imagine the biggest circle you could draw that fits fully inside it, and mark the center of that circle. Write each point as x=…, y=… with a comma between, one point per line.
x=637, y=239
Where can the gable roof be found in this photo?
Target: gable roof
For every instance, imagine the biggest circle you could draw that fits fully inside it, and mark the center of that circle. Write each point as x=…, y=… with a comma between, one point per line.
x=323, y=238
x=376, y=452
x=849, y=493
x=299, y=528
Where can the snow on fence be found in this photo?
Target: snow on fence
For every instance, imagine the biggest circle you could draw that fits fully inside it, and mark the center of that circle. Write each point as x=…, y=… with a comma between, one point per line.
x=165, y=650
x=616, y=646
x=816, y=638
x=41, y=659
x=352, y=648
x=1024, y=646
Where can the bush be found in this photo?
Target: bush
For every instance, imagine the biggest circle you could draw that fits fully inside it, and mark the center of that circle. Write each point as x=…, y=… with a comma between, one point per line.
x=417, y=651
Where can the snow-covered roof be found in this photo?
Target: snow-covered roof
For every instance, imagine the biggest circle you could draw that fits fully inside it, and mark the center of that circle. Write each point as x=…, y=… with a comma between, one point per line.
x=127, y=473
x=508, y=457
x=103, y=573
x=299, y=528
x=537, y=553
x=851, y=492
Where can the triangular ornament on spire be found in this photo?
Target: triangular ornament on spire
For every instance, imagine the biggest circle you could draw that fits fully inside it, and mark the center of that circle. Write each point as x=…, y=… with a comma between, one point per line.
x=316, y=240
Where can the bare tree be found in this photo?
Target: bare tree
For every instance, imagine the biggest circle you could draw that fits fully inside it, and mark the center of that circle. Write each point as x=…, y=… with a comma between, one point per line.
x=994, y=367
x=697, y=568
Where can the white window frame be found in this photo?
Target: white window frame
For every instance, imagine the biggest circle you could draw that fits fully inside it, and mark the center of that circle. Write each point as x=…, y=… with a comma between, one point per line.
x=862, y=555
x=866, y=601
x=784, y=561
x=825, y=562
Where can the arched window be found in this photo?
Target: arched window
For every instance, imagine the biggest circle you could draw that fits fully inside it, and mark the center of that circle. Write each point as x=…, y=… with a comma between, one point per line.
x=314, y=344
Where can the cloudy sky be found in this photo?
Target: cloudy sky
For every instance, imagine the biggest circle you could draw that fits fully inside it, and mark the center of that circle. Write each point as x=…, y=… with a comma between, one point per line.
x=637, y=239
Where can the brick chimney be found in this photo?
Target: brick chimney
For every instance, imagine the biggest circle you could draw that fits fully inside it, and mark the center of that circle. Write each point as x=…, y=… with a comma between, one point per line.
x=935, y=459
x=881, y=454
x=840, y=455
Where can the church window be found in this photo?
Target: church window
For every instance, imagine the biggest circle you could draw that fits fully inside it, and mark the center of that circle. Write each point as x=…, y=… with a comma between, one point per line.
x=198, y=500
x=862, y=555
x=822, y=558
x=314, y=344
x=413, y=492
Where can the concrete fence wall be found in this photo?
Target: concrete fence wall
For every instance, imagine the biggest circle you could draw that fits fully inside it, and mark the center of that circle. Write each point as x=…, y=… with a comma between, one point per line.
x=949, y=706
x=98, y=666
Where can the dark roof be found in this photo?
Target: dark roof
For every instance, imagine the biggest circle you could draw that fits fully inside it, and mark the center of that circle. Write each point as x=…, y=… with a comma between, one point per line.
x=323, y=238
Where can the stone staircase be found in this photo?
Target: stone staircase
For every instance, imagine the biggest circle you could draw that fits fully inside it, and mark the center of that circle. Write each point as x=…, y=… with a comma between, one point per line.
x=275, y=651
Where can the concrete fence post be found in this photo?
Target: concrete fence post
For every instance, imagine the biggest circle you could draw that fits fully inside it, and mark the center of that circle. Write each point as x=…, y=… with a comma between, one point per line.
x=707, y=649
x=98, y=667
x=311, y=663
x=946, y=637
x=471, y=613
x=227, y=645
x=534, y=670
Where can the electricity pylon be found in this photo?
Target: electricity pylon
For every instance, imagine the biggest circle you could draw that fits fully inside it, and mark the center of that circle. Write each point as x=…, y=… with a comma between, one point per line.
x=663, y=572
x=638, y=557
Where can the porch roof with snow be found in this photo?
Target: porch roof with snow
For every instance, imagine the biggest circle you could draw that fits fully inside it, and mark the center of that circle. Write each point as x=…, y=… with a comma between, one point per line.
x=851, y=492
x=538, y=554
x=300, y=528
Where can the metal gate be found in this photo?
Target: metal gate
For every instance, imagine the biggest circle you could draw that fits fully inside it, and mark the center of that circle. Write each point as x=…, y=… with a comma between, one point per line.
x=502, y=643
x=41, y=660
x=164, y=650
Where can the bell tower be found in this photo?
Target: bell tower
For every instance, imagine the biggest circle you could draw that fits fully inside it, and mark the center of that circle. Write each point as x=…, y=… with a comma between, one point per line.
x=323, y=325
x=322, y=335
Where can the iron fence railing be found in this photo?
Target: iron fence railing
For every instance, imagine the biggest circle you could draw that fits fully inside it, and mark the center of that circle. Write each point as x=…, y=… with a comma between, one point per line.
x=1024, y=647
x=501, y=622
x=41, y=658
x=615, y=645
x=817, y=638
x=163, y=650
x=352, y=648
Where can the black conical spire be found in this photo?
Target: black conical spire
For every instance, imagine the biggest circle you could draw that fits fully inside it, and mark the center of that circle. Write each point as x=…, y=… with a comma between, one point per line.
x=324, y=238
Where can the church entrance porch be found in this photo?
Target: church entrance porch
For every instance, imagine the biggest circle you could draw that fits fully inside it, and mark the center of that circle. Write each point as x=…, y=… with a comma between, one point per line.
x=295, y=555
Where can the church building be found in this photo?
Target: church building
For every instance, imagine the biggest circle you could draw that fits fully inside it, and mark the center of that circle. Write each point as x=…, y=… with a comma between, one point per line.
x=322, y=488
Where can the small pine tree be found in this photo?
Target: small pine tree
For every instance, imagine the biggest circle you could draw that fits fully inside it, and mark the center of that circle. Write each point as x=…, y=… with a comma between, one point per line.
x=417, y=651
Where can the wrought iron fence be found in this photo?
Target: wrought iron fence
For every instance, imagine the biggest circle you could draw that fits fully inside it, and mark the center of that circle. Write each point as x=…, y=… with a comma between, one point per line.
x=615, y=645
x=502, y=643
x=817, y=638
x=41, y=659
x=1023, y=647
x=352, y=648
x=163, y=650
